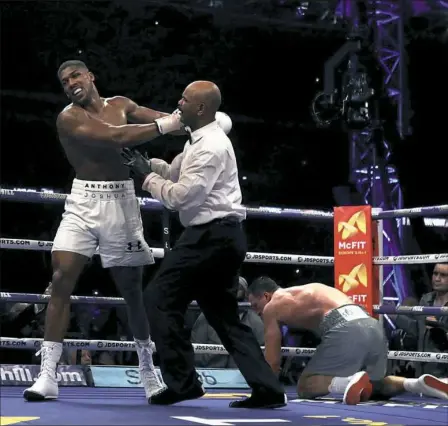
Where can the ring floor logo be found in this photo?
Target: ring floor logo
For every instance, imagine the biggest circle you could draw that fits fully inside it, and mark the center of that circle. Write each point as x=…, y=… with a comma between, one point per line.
x=22, y=375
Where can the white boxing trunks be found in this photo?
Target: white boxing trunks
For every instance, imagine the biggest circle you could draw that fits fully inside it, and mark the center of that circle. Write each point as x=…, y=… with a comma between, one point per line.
x=104, y=217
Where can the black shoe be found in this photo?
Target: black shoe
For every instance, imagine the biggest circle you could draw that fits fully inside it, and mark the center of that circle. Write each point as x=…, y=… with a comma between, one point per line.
x=261, y=400
x=168, y=396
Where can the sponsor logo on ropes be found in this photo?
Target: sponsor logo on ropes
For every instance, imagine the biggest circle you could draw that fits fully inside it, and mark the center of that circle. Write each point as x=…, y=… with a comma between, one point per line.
x=382, y=258
x=45, y=243
x=315, y=260
x=298, y=351
x=413, y=257
x=76, y=344
x=70, y=344
x=105, y=345
x=213, y=348
x=441, y=356
x=52, y=196
x=14, y=242
x=415, y=210
x=6, y=192
x=270, y=210
x=411, y=309
x=268, y=257
x=413, y=354
x=25, y=190
x=5, y=295
x=13, y=343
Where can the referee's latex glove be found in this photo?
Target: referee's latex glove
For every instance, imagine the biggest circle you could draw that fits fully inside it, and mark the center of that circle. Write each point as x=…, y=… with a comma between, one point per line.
x=138, y=164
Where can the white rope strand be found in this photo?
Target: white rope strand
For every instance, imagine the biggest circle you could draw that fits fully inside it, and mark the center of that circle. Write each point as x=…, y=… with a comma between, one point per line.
x=120, y=346
x=255, y=257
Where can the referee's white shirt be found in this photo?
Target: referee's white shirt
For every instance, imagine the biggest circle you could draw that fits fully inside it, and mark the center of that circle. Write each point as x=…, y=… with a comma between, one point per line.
x=202, y=182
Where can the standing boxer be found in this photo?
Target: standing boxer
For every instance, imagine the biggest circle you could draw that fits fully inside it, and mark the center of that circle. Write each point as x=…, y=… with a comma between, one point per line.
x=102, y=212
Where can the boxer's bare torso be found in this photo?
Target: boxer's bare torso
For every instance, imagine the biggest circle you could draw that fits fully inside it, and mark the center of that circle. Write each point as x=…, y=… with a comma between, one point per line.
x=90, y=160
x=305, y=306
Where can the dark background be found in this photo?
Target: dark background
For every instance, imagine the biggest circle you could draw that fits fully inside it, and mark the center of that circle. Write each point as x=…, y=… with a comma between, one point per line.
x=267, y=75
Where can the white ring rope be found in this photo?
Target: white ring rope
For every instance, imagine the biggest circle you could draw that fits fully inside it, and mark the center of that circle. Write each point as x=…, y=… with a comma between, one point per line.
x=121, y=346
x=30, y=195
x=255, y=257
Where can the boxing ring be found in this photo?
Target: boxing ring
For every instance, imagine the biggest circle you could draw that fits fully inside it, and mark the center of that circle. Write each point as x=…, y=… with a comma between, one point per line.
x=91, y=398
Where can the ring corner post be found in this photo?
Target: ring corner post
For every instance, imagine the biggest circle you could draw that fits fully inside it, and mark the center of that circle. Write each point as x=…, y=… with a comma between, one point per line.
x=353, y=253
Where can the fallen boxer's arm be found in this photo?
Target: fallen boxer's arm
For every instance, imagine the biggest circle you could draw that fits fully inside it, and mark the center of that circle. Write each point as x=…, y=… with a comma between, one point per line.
x=272, y=338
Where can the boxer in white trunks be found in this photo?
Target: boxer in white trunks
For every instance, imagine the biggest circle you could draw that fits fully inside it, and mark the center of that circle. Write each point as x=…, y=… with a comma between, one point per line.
x=102, y=214
x=351, y=359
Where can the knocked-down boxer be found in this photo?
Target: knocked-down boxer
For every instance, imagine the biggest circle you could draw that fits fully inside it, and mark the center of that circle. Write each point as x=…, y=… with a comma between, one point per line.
x=351, y=359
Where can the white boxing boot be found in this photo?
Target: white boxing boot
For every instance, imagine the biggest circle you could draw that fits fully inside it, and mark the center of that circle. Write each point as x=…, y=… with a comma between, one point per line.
x=148, y=374
x=46, y=386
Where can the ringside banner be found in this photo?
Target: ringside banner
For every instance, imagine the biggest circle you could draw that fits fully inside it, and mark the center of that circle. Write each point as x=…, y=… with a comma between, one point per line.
x=128, y=377
x=26, y=375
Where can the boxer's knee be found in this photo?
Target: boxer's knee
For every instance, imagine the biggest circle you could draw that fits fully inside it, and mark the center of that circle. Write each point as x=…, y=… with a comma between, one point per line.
x=67, y=268
x=313, y=386
x=63, y=284
x=129, y=282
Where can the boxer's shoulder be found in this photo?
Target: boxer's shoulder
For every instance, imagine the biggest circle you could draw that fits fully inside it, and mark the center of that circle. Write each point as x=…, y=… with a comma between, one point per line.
x=275, y=304
x=121, y=102
x=67, y=116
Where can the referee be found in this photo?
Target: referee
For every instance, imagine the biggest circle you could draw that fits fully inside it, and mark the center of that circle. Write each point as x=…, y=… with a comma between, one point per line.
x=202, y=185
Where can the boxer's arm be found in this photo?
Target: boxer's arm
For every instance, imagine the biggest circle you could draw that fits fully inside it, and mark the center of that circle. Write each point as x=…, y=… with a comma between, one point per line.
x=137, y=114
x=91, y=131
x=272, y=338
x=142, y=115
x=192, y=188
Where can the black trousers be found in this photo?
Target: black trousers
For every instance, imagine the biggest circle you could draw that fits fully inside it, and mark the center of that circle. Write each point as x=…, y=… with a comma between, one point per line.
x=203, y=265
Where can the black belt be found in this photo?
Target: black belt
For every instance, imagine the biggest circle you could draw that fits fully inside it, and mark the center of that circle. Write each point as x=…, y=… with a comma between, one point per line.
x=228, y=220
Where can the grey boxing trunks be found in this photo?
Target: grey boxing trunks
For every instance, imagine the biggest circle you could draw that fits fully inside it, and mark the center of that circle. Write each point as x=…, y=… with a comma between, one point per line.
x=351, y=341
